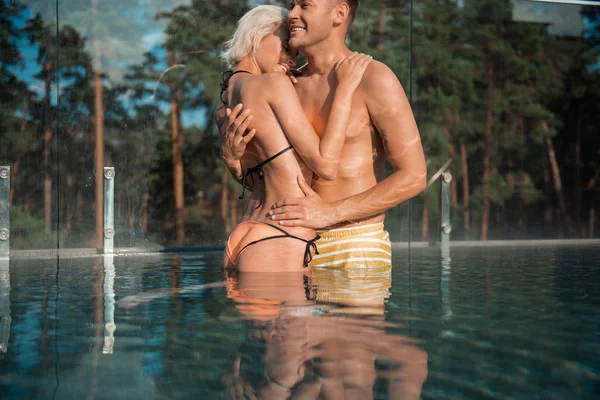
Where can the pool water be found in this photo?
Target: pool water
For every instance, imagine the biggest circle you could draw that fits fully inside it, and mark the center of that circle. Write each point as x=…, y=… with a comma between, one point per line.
x=497, y=323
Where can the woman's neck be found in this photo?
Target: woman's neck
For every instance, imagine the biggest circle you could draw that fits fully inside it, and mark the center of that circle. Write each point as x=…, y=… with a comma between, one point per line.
x=250, y=65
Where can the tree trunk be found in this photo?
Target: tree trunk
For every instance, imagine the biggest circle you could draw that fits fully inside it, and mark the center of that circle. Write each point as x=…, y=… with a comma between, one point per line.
x=145, y=212
x=99, y=142
x=465, y=178
x=99, y=156
x=592, y=222
x=448, y=123
x=177, y=160
x=13, y=174
x=425, y=224
x=79, y=206
x=465, y=187
x=591, y=186
x=68, y=211
x=15, y=168
x=562, y=208
x=487, y=153
x=131, y=221
x=578, y=184
x=47, y=152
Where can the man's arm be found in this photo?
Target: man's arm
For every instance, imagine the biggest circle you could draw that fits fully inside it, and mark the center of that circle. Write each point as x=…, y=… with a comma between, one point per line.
x=392, y=116
x=233, y=125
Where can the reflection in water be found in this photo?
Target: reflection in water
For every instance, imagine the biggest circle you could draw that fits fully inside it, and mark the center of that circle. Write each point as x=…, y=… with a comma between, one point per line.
x=321, y=336
x=109, y=304
x=365, y=290
x=445, y=289
x=298, y=335
x=4, y=305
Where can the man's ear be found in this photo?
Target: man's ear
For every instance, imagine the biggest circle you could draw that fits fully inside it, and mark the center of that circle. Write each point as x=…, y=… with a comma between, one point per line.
x=341, y=13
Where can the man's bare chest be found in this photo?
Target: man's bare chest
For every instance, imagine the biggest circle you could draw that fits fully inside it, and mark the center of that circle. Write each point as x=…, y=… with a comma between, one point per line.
x=317, y=103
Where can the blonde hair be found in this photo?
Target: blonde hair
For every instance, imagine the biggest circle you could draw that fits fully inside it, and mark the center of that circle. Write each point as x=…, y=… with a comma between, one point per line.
x=251, y=29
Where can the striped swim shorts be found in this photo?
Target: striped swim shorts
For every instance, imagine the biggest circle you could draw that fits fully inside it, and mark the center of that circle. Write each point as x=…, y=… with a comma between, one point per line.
x=366, y=246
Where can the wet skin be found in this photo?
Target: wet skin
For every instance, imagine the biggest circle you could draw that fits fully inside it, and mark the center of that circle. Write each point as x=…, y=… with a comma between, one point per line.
x=381, y=124
x=279, y=124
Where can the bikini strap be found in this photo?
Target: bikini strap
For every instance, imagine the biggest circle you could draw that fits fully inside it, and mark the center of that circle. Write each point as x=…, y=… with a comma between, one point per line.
x=310, y=244
x=268, y=160
x=225, y=83
x=256, y=170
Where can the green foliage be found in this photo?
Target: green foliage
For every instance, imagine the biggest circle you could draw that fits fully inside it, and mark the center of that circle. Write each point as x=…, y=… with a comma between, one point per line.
x=27, y=232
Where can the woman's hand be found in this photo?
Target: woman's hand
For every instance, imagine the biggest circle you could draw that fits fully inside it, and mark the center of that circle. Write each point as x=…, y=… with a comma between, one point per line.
x=233, y=132
x=350, y=70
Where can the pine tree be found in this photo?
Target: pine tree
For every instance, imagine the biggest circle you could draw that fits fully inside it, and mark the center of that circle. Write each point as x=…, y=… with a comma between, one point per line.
x=15, y=97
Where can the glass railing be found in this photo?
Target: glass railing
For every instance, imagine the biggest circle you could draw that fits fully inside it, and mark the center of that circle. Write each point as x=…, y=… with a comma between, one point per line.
x=505, y=94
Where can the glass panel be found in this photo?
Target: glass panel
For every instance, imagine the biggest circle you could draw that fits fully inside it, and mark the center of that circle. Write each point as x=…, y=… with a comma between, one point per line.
x=29, y=144
x=138, y=92
x=140, y=98
x=382, y=29
x=509, y=92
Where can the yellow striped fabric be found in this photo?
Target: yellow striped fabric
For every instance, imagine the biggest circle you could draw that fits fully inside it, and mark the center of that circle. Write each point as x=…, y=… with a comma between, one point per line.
x=366, y=246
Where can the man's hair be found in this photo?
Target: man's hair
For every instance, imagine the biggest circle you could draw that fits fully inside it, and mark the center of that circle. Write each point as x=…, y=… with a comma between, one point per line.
x=251, y=29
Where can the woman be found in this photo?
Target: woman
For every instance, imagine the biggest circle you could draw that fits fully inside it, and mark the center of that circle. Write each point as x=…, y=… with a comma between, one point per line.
x=287, y=144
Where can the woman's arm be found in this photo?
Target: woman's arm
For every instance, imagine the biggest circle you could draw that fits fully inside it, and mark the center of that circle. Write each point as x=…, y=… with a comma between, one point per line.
x=322, y=155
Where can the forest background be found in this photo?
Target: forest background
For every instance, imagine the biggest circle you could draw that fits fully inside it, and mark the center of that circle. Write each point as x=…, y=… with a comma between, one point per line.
x=508, y=91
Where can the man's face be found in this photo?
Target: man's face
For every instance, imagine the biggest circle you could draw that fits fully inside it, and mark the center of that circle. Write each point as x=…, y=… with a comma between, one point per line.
x=310, y=22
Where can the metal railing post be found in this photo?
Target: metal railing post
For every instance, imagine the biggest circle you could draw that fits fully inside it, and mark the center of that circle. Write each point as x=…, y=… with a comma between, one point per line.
x=109, y=210
x=445, y=215
x=5, y=318
x=4, y=212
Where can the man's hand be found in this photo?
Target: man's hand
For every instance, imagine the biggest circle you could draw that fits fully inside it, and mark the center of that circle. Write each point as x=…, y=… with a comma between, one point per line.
x=309, y=211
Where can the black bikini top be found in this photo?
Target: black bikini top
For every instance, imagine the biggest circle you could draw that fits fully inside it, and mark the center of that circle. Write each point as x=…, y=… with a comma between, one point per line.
x=225, y=84
x=256, y=170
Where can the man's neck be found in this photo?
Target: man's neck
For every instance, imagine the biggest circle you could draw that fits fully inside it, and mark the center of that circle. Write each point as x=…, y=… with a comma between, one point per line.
x=323, y=56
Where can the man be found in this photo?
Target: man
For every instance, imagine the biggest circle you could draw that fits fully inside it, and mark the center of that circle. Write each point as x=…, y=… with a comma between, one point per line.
x=352, y=206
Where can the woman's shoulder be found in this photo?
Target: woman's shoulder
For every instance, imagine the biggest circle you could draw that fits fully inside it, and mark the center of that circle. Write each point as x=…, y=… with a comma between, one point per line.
x=277, y=79
x=264, y=85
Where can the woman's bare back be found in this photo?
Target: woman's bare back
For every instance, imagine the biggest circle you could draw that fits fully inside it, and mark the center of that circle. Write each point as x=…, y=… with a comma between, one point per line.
x=279, y=176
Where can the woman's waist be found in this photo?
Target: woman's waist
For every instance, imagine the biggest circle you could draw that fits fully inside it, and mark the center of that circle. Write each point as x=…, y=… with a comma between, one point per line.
x=259, y=214
x=272, y=189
